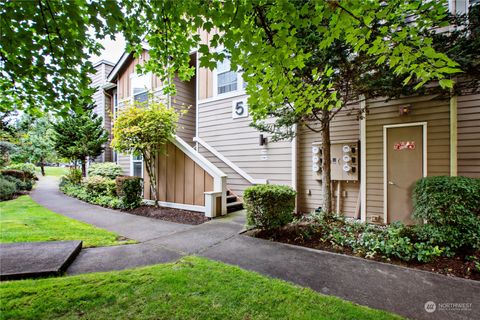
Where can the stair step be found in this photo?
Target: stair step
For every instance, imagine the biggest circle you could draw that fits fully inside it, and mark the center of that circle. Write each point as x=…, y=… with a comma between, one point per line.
x=231, y=198
x=234, y=206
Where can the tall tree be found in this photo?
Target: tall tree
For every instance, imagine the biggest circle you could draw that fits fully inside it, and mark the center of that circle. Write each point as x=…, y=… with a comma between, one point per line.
x=80, y=136
x=38, y=145
x=145, y=129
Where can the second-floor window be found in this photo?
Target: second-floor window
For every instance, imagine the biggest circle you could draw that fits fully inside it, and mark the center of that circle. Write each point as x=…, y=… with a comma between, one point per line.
x=227, y=80
x=141, y=84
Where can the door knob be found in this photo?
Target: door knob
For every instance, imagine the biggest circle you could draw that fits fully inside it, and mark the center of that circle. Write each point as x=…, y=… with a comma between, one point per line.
x=391, y=183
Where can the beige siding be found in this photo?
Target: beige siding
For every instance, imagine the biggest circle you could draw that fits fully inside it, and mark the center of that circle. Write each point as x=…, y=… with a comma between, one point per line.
x=124, y=86
x=424, y=109
x=205, y=76
x=238, y=142
x=469, y=136
x=344, y=127
x=185, y=100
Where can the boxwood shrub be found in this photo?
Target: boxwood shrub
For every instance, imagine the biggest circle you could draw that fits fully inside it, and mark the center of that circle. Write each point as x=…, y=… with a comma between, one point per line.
x=129, y=189
x=451, y=208
x=269, y=206
x=109, y=170
x=19, y=174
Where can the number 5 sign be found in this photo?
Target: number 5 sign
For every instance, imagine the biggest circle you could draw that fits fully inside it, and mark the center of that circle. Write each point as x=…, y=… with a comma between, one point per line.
x=239, y=108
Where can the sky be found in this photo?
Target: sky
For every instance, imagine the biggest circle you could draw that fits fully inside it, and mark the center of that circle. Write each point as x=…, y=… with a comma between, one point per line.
x=113, y=49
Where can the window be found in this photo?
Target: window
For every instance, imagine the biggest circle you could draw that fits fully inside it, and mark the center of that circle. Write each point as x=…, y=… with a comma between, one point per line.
x=115, y=105
x=137, y=166
x=226, y=79
x=141, y=84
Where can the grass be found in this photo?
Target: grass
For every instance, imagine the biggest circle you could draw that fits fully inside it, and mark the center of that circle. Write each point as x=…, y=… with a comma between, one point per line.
x=23, y=220
x=191, y=288
x=53, y=171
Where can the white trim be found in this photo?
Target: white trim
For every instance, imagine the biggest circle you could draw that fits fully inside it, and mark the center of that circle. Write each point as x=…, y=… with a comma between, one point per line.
x=196, y=97
x=199, y=159
x=363, y=161
x=385, y=162
x=229, y=163
x=176, y=205
x=228, y=95
x=118, y=66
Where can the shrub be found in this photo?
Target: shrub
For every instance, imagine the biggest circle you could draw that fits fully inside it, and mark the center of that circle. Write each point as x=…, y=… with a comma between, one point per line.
x=100, y=185
x=27, y=168
x=451, y=207
x=109, y=170
x=8, y=189
x=130, y=191
x=80, y=192
x=14, y=173
x=269, y=206
x=74, y=176
x=20, y=185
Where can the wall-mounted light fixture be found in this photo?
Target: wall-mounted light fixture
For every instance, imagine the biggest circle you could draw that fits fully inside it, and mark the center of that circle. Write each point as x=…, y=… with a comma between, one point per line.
x=263, y=140
x=405, y=110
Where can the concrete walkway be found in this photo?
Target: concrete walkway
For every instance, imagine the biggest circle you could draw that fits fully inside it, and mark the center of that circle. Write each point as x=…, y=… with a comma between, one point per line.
x=377, y=285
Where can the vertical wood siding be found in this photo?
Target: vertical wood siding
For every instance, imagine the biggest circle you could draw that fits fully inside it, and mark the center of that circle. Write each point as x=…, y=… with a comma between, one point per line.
x=344, y=126
x=469, y=136
x=179, y=179
x=205, y=75
x=124, y=86
x=435, y=112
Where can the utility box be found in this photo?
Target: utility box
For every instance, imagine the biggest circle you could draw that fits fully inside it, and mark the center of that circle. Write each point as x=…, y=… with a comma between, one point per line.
x=344, y=160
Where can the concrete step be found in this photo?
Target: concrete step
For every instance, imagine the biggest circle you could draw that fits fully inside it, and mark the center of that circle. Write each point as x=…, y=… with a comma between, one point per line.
x=234, y=206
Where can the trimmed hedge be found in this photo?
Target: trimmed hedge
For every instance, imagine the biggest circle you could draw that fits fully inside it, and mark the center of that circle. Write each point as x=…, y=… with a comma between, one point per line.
x=269, y=206
x=451, y=207
x=100, y=185
x=109, y=170
x=129, y=189
x=19, y=184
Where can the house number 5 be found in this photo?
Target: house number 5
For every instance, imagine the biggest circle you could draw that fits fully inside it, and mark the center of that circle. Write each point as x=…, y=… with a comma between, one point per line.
x=239, y=109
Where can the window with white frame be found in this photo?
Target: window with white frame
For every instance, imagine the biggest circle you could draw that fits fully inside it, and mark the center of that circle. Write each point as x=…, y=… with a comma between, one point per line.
x=137, y=166
x=227, y=80
x=115, y=105
x=141, y=84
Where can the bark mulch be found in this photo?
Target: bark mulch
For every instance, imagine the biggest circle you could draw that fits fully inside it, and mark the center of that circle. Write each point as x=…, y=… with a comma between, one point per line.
x=457, y=266
x=170, y=214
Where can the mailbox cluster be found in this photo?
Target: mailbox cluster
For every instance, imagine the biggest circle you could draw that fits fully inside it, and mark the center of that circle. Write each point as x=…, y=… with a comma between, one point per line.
x=344, y=160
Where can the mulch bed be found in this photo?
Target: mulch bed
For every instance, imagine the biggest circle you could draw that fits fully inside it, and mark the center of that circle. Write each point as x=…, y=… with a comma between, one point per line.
x=170, y=214
x=457, y=266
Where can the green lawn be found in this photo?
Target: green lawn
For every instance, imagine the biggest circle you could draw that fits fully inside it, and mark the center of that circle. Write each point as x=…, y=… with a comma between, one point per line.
x=192, y=288
x=53, y=171
x=23, y=220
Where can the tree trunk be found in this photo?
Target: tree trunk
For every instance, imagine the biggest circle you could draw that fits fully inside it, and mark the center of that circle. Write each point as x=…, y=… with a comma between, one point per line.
x=149, y=165
x=84, y=167
x=326, y=173
x=42, y=166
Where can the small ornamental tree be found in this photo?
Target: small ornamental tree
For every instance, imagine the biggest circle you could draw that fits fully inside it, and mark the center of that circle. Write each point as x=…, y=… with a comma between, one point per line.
x=79, y=136
x=38, y=145
x=145, y=129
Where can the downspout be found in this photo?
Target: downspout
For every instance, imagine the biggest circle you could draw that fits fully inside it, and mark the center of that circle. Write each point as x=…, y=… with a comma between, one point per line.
x=196, y=99
x=453, y=135
x=363, y=160
x=294, y=164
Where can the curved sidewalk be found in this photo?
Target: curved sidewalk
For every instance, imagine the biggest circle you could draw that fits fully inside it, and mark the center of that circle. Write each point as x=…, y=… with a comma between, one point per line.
x=378, y=285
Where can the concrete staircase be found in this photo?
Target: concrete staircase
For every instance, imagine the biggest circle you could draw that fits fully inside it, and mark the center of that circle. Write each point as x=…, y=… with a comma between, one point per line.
x=234, y=203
